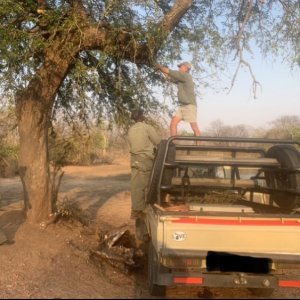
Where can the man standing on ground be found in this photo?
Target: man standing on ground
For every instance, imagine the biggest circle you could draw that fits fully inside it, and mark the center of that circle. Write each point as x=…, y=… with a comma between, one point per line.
x=142, y=138
x=187, y=109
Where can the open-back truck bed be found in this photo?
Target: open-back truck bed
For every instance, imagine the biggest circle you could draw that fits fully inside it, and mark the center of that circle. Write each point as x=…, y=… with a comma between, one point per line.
x=224, y=213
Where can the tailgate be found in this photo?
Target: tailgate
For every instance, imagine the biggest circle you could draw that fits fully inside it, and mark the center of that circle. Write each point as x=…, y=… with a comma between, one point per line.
x=251, y=235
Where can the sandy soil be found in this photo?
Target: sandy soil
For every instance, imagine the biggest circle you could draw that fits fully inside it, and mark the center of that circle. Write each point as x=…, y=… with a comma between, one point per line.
x=55, y=261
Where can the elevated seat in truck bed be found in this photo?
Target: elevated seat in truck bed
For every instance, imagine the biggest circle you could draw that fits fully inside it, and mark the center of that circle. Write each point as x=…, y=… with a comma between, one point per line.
x=216, y=161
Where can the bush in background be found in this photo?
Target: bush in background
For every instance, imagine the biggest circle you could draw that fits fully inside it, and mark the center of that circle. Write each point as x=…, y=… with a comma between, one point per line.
x=9, y=143
x=81, y=145
x=69, y=144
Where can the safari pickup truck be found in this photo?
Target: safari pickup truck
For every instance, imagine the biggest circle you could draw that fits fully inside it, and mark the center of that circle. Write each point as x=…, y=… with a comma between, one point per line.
x=224, y=213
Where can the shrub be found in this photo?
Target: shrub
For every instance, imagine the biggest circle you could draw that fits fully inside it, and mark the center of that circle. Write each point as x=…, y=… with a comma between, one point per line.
x=70, y=211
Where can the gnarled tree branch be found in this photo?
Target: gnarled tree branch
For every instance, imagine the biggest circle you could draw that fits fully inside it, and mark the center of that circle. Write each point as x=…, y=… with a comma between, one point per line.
x=239, y=47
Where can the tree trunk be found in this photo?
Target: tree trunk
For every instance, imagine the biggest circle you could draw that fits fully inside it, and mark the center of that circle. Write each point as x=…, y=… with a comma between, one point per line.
x=33, y=159
x=33, y=106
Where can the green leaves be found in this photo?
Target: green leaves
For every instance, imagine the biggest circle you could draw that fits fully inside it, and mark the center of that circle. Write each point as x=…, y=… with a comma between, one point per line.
x=103, y=82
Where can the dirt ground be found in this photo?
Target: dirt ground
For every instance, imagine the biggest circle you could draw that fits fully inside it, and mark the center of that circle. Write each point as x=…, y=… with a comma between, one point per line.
x=54, y=261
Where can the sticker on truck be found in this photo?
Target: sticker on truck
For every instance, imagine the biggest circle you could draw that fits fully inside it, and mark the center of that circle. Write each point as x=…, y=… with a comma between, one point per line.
x=179, y=236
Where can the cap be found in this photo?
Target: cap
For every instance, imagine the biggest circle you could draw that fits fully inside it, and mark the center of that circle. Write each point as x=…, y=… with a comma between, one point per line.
x=184, y=63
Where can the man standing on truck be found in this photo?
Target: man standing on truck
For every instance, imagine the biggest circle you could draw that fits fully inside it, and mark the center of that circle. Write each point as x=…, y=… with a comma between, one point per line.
x=143, y=139
x=187, y=109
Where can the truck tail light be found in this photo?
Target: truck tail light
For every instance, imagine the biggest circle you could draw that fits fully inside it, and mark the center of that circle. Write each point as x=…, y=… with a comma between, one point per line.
x=289, y=283
x=188, y=280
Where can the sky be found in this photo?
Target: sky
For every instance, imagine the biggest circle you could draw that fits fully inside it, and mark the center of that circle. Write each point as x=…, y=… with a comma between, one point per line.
x=278, y=96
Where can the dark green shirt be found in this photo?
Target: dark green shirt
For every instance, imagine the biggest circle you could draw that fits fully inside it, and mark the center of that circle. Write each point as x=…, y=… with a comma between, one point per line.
x=185, y=84
x=142, y=139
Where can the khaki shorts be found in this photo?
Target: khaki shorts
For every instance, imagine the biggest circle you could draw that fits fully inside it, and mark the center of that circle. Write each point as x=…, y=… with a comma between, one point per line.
x=187, y=113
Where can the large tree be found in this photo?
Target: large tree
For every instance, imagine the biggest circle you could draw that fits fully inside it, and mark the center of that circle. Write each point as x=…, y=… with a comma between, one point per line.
x=82, y=56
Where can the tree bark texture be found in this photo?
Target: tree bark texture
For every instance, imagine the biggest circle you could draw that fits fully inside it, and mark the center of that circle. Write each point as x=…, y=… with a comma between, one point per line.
x=34, y=105
x=33, y=158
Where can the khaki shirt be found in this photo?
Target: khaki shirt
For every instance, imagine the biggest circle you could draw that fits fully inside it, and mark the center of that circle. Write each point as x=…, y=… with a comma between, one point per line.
x=185, y=84
x=142, y=139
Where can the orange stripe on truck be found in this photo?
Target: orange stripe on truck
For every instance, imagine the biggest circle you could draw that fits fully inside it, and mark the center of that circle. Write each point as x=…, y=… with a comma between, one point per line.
x=240, y=222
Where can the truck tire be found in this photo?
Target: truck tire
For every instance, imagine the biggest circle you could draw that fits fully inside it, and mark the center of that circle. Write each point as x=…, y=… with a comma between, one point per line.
x=156, y=169
x=288, y=157
x=153, y=268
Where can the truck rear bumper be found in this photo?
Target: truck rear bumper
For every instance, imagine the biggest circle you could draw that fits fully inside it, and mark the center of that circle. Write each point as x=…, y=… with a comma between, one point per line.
x=232, y=280
x=230, y=270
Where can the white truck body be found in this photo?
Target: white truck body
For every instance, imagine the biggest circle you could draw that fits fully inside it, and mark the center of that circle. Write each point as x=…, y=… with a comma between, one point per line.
x=246, y=243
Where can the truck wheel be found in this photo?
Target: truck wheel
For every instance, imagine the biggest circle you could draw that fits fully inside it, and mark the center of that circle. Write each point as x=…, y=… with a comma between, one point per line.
x=261, y=292
x=288, y=157
x=153, y=268
x=156, y=169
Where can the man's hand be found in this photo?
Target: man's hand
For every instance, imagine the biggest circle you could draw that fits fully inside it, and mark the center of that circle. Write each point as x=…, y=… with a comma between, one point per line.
x=163, y=69
x=156, y=67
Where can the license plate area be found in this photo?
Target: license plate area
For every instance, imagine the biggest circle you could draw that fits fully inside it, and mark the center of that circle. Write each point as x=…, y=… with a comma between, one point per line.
x=228, y=262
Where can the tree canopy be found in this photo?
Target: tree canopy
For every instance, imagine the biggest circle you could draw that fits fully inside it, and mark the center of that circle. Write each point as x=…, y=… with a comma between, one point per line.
x=211, y=33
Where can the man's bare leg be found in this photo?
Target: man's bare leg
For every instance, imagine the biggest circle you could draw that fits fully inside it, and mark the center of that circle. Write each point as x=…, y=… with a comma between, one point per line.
x=196, y=130
x=173, y=127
